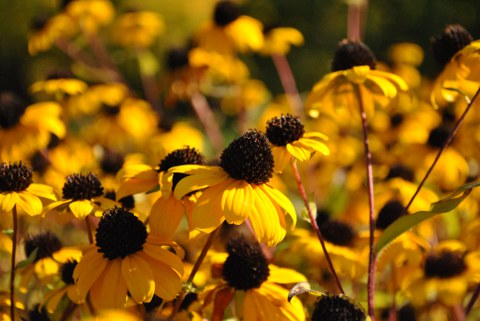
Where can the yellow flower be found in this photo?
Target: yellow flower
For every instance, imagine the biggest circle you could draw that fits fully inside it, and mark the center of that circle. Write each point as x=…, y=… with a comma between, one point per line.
x=248, y=275
x=137, y=29
x=25, y=129
x=55, y=86
x=113, y=314
x=237, y=190
x=90, y=14
x=53, y=297
x=288, y=138
x=229, y=31
x=279, y=40
x=125, y=259
x=47, y=30
x=17, y=189
x=354, y=67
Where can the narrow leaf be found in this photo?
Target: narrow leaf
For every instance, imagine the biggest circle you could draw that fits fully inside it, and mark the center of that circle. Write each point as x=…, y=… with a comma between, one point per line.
x=29, y=260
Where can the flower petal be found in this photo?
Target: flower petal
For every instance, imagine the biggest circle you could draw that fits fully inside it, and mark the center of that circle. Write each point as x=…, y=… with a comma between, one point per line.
x=81, y=208
x=167, y=282
x=302, y=154
x=8, y=201
x=87, y=271
x=110, y=290
x=284, y=275
x=30, y=203
x=281, y=200
x=164, y=256
x=237, y=202
x=207, y=214
x=42, y=190
x=139, y=278
x=200, y=177
x=165, y=216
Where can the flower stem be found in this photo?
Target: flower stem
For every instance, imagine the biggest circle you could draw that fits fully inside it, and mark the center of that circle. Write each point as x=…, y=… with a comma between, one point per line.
x=371, y=202
x=441, y=150
x=315, y=227
x=194, y=271
x=68, y=311
x=89, y=229
x=288, y=82
x=12, y=266
x=472, y=301
x=207, y=118
x=356, y=19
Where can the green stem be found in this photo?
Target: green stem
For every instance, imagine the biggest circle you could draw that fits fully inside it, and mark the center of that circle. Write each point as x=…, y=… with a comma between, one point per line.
x=313, y=221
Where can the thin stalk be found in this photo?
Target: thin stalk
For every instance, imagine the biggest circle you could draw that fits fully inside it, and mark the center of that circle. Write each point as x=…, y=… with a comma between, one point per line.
x=68, y=311
x=315, y=227
x=371, y=202
x=288, y=82
x=473, y=299
x=89, y=229
x=441, y=150
x=149, y=84
x=194, y=271
x=104, y=58
x=12, y=265
x=207, y=118
x=356, y=19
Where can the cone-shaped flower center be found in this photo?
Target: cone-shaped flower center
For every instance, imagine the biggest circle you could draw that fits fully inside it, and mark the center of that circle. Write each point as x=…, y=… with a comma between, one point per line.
x=249, y=158
x=402, y=172
x=351, y=53
x=444, y=265
x=67, y=272
x=11, y=110
x=183, y=156
x=82, y=187
x=112, y=161
x=245, y=267
x=225, y=13
x=438, y=136
x=335, y=231
x=14, y=177
x=127, y=202
x=389, y=213
x=120, y=233
x=37, y=313
x=46, y=243
x=338, y=308
x=453, y=39
x=284, y=129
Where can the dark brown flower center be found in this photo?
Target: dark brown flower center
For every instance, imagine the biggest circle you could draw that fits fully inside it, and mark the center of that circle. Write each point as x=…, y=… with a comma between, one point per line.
x=284, y=129
x=249, y=158
x=66, y=271
x=351, y=53
x=14, y=177
x=335, y=231
x=444, y=265
x=183, y=156
x=438, y=136
x=127, y=202
x=402, y=172
x=338, y=308
x=225, y=13
x=245, y=267
x=112, y=161
x=45, y=243
x=177, y=58
x=119, y=234
x=453, y=39
x=82, y=187
x=11, y=109
x=389, y=213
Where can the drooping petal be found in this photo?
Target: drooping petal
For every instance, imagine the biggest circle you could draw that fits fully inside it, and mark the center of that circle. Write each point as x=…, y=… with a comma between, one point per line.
x=165, y=216
x=87, y=271
x=136, y=178
x=81, y=208
x=200, y=177
x=42, y=190
x=387, y=88
x=237, y=202
x=8, y=201
x=164, y=256
x=110, y=290
x=139, y=278
x=302, y=154
x=281, y=200
x=53, y=298
x=30, y=203
x=167, y=282
x=312, y=145
x=281, y=158
x=265, y=220
x=284, y=275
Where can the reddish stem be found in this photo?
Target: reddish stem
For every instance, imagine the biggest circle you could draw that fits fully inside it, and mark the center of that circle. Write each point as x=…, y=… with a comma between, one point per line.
x=12, y=265
x=288, y=82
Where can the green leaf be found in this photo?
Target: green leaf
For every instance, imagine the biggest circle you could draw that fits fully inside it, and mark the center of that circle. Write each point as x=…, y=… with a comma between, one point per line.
x=305, y=215
x=29, y=260
x=8, y=232
x=406, y=222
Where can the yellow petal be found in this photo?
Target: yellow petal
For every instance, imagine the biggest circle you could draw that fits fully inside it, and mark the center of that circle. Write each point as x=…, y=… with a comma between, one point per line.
x=312, y=145
x=167, y=282
x=110, y=290
x=282, y=201
x=42, y=190
x=53, y=298
x=207, y=214
x=165, y=216
x=265, y=220
x=284, y=275
x=139, y=278
x=87, y=271
x=164, y=256
x=302, y=154
x=281, y=158
x=387, y=88
x=237, y=202
x=30, y=203
x=8, y=201
x=199, y=178
x=81, y=208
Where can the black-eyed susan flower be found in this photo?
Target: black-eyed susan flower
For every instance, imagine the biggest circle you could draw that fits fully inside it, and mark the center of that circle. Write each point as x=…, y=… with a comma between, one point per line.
x=238, y=189
x=125, y=259
x=278, y=40
x=46, y=30
x=67, y=287
x=89, y=15
x=137, y=29
x=26, y=129
x=82, y=196
x=229, y=31
x=17, y=189
x=288, y=138
x=246, y=273
x=59, y=84
x=456, y=51
x=338, y=307
x=353, y=65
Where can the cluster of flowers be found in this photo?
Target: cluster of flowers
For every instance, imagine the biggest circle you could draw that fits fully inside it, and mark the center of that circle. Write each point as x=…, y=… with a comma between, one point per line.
x=158, y=231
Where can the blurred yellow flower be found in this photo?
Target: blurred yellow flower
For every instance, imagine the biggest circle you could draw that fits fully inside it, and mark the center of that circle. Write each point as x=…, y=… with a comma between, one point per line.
x=137, y=29
x=278, y=41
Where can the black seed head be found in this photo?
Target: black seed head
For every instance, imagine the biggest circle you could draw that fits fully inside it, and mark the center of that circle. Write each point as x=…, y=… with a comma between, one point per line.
x=284, y=129
x=37, y=313
x=66, y=271
x=183, y=156
x=46, y=243
x=249, y=158
x=82, y=187
x=39, y=162
x=335, y=231
x=120, y=233
x=438, y=136
x=14, y=177
x=127, y=202
x=109, y=110
x=351, y=53
x=444, y=265
x=245, y=267
x=389, y=213
x=406, y=313
x=225, y=13
x=396, y=120
x=402, y=172
x=189, y=299
x=12, y=108
x=338, y=308
x=153, y=304
x=177, y=58
x=112, y=161
x=453, y=39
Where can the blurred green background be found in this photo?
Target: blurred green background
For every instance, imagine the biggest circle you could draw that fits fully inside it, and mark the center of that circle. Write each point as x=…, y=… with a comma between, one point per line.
x=323, y=23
